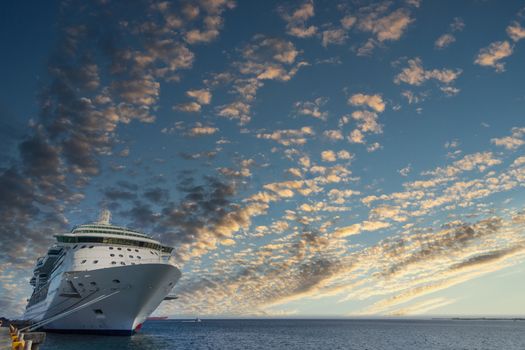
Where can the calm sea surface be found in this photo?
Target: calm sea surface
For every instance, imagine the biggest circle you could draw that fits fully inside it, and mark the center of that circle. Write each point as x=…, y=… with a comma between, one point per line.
x=307, y=334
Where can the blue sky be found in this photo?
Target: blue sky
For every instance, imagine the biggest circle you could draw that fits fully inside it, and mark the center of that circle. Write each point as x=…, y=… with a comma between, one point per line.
x=309, y=158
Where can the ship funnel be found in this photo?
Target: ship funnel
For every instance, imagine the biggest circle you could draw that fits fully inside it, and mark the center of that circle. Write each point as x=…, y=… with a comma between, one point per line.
x=105, y=217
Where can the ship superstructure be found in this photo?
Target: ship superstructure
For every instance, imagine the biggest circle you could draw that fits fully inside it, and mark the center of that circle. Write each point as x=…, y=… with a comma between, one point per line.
x=100, y=278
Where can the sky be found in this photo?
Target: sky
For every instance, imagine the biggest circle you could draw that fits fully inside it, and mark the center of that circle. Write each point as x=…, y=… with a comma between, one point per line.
x=305, y=158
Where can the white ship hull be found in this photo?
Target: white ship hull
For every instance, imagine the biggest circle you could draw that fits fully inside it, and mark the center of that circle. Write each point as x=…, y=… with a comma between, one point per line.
x=133, y=293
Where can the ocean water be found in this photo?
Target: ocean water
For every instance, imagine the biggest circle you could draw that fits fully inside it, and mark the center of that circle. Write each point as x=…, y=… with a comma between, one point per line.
x=307, y=334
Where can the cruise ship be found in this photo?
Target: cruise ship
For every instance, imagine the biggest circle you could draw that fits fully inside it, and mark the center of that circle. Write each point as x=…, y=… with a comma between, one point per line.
x=100, y=278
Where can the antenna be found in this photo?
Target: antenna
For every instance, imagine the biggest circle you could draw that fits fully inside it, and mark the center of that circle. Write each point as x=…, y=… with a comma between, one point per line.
x=105, y=217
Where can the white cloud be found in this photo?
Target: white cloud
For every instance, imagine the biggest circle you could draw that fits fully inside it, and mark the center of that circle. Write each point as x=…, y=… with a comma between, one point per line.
x=201, y=130
x=296, y=21
x=328, y=156
x=348, y=22
x=189, y=107
x=516, y=31
x=405, y=171
x=333, y=135
x=511, y=142
x=312, y=108
x=415, y=74
x=389, y=27
x=373, y=101
x=356, y=136
x=290, y=136
x=491, y=55
x=203, y=96
x=444, y=41
x=334, y=36
x=367, y=121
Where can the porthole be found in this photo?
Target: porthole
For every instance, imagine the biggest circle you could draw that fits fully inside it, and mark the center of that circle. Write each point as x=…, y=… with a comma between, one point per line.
x=121, y=255
x=151, y=252
x=81, y=284
x=116, y=281
x=83, y=247
x=113, y=263
x=138, y=257
x=83, y=262
x=137, y=250
x=90, y=246
x=95, y=261
x=75, y=246
x=110, y=248
x=129, y=250
x=93, y=283
x=131, y=256
x=119, y=248
x=122, y=263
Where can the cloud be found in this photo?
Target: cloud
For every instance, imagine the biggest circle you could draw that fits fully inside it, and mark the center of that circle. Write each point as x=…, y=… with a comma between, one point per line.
x=356, y=136
x=516, y=31
x=312, y=108
x=189, y=107
x=405, y=171
x=202, y=130
x=367, y=121
x=509, y=142
x=444, y=41
x=203, y=96
x=448, y=38
x=328, y=156
x=297, y=18
x=373, y=101
x=334, y=37
x=512, y=142
x=416, y=75
x=289, y=136
x=356, y=229
x=334, y=135
x=388, y=27
x=264, y=58
x=491, y=55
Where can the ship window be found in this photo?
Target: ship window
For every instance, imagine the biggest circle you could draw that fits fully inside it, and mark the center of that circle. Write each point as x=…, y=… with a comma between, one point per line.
x=98, y=312
x=110, y=248
x=90, y=246
x=121, y=255
x=119, y=248
x=113, y=263
x=116, y=281
x=138, y=257
x=83, y=262
x=81, y=284
x=131, y=256
x=111, y=254
x=75, y=247
x=137, y=250
x=132, y=263
x=129, y=250
x=122, y=263
x=93, y=283
x=151, y=252
x=83, y=247
x=95, y=261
